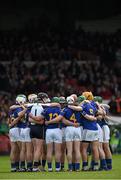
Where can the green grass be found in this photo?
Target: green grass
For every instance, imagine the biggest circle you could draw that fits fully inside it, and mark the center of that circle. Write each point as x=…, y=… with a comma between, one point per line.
x=113, y=174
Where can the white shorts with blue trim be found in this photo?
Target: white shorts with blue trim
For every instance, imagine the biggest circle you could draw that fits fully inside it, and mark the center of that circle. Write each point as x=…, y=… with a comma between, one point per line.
x=14, y=134
x=25, y=134
x=53, y=135
x=106, y=133
x=73, y=133
x=90, y=135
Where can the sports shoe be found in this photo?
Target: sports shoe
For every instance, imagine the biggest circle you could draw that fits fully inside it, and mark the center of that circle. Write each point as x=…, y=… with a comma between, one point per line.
x=50, y=170
x=35, y=170
x=22, y=170
x=85, y=168
x=29, y=170
x=13, y=170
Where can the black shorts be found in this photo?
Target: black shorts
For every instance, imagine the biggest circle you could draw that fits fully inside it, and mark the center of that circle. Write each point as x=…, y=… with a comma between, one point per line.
x=37, y=131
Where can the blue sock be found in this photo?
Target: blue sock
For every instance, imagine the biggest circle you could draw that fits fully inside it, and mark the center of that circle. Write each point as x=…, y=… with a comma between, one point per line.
x=49, y=165
x=77, y=166
x=40, y=163
x=22, y=164
x=43, y=163
x=95, y=165
x=103, y=163
x=36, y=164
x=109, y=163
x=17, y=164
x=13, y=165
x=29, y=165
x=84, y=164
x=57, y=165
x=73, y=166
x=70, y=166
x=62, y=165
x=92, y=164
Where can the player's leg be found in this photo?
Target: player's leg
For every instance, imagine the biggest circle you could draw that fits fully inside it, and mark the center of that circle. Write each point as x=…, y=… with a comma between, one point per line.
x=43, y=156
x=22, y=157
x=14, y=154
x=77, y=155
x=84, y=146
x=106, y=147
x=63, y=150
x=84, y=154
x=44, y=151
x=94, y=141
x=57, y=135
x=69, y=134
x=103, y=165
x=49, y=143
x=76, y=148
x=22, y=150
x=28, y=150
x=14, y=157
x=29, y=154
x=63, y=154
x=37, y=153
x=95, y=154
x=69, y=146
x=49, y=155
x=58, y=156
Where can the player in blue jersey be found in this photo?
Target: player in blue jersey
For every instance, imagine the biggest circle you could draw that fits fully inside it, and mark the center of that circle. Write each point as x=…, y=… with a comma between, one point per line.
x=53, y=135
x=19, y=113
x=32, y=98
x=63, y=104
x=96, y=104
x=14, y=135
x=90, y=133
x=105, y=135
x=21, y=99
x=72, y=135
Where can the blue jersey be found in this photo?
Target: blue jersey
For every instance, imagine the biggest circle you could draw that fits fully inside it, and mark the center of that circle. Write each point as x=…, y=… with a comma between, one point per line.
x=93, y=103
x=49, y=114
x=104, y=121
x=90, y=110
x=13, y=114
x=27, y=116
x=23, y=123
x=71, y=115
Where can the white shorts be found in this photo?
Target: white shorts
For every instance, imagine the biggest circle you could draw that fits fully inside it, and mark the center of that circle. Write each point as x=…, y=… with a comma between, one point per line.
x=53, y=135
x=90, y=135
x=100, y=131
x=63, y=134
x=106, y=133
x=73, y=133
x=14, y=134
x=25, y=135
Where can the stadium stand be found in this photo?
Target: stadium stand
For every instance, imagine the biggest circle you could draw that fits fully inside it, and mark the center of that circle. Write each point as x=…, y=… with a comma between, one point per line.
x=60, y=64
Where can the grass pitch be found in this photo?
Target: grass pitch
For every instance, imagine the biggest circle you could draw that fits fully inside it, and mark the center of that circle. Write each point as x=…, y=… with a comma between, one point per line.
x=113, y=174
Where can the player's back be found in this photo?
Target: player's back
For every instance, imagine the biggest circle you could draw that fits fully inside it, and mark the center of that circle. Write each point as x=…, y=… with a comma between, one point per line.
x=71, y=115
x=49, y=114
x=90, y=110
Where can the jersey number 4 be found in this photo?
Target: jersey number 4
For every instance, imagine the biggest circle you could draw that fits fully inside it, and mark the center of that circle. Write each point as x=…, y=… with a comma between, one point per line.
x=73, y=118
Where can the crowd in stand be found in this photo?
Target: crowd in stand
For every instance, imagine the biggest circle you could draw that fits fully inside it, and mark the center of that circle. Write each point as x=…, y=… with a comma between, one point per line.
x=57, y=68
x=37, y=45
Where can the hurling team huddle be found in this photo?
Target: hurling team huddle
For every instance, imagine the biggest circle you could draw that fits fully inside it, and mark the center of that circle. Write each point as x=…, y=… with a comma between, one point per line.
x=63, y=131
